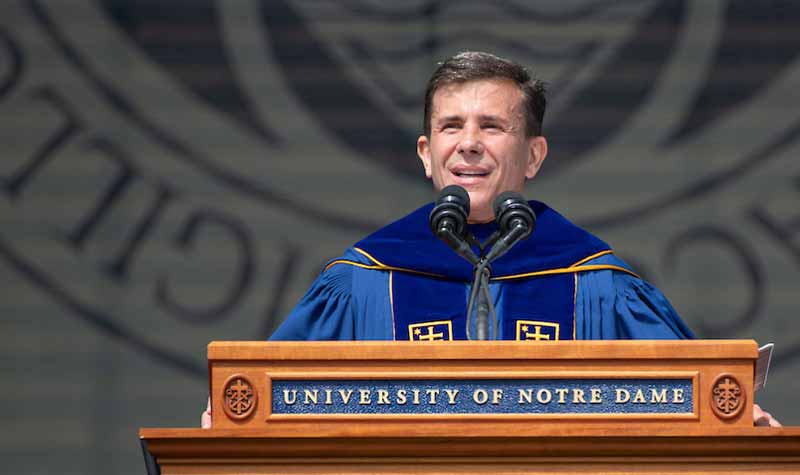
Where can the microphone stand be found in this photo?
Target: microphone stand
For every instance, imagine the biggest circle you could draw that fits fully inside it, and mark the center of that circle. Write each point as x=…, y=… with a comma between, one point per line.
x=480, y=297
x=480, y=302
x=448, y=220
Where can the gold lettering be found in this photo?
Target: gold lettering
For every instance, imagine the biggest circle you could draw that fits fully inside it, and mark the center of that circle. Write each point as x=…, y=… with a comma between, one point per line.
x=623, y=396
x=451, y=395
x=577, y=396
x=525, y=396
x=401, y=396
x=432, y=393
x=480, y=396
x=497, y=396
x=364, y=399
x=677, y=395
x=345, y=394
x=596, y=399
x=289, y=400
x=562, y=394
x=383, y=396
x=328, y=400
x=543, y=396
x=311, y=396
x=638, y=398
x=658, y=396
x=416, y=396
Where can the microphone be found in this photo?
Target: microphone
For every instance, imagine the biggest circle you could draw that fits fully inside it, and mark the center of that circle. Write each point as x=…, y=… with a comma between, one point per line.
x=448, y=221
x=516, y=220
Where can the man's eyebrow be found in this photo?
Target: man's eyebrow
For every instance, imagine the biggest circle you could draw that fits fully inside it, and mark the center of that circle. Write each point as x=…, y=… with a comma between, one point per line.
x=492, y=118
x=448, y=118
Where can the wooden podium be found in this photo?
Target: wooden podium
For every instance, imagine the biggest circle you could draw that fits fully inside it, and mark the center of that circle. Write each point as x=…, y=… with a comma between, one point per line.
x=612, y=407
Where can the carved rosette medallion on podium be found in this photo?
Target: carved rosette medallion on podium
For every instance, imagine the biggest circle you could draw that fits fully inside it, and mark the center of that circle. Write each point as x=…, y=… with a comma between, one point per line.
x=239, y=397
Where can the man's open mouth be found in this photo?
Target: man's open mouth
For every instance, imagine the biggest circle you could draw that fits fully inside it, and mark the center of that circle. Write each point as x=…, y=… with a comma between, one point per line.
x=471, y=173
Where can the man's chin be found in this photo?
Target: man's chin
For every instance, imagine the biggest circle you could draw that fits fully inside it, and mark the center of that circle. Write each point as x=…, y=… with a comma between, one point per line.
x=480, y=207
x=480, y=220
x=480, y=214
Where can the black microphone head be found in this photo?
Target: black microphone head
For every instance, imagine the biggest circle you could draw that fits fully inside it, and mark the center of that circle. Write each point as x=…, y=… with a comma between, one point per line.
x=454, y=194
x=510, y=206
x=452, y=208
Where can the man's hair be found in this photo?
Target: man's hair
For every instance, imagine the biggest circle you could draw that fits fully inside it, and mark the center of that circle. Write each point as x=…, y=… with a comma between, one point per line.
x=475, y=65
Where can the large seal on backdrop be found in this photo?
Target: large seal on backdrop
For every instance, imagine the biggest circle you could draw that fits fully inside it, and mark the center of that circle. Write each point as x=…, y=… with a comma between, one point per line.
x=226, y=148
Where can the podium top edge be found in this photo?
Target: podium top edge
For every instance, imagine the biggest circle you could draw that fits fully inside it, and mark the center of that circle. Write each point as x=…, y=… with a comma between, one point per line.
x=543, y=431
x=483, y=350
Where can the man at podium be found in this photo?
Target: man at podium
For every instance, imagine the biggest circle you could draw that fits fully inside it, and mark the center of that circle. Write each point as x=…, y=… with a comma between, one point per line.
x=483, y=132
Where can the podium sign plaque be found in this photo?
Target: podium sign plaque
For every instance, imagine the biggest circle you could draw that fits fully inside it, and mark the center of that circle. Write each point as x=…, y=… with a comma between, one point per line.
x=479, y=407
x=701, y=384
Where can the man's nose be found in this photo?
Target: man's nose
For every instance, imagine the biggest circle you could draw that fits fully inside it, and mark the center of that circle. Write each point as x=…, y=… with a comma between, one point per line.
x=471, y=143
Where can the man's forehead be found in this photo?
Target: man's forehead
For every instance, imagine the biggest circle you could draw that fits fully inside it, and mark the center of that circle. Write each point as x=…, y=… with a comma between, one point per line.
x=499, y=92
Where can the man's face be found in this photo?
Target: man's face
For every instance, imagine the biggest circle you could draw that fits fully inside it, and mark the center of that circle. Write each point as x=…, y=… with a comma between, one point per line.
x=478, y=141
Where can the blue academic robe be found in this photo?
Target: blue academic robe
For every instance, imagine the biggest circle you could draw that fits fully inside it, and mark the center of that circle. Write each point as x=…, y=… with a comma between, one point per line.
x=562, y=272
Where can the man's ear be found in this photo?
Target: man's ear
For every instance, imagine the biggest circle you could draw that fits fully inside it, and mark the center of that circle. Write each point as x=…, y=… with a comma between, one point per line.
x=424, y=153
x=537, y=152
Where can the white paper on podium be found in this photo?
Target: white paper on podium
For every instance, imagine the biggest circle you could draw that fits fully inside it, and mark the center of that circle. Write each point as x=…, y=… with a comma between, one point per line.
x=762, y=366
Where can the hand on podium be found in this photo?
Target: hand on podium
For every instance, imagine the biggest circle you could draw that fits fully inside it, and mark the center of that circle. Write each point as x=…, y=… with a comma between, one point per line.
x=761, y=418
x=205, y=418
